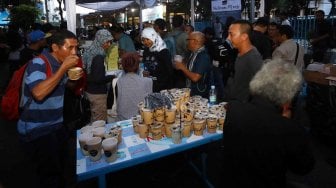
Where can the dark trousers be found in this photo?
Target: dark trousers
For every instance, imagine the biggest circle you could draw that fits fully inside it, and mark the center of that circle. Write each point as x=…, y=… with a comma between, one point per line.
x=319, y=53
x=48, y=153
x=219, y=83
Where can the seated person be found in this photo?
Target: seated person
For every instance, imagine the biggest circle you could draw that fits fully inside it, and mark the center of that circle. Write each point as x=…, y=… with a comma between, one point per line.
x=132, y=88
x=259, y=144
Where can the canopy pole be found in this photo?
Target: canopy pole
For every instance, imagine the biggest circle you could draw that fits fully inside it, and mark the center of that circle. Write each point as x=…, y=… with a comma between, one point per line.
x=252, y=11
x=71, y=15
x=140, y=15
x=47, y=10
x=192, y=12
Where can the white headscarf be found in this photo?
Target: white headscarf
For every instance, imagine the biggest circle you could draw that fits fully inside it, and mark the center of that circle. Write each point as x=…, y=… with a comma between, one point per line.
x=158, y=43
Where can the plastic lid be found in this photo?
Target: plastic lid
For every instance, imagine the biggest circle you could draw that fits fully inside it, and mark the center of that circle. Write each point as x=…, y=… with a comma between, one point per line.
x=212, y=87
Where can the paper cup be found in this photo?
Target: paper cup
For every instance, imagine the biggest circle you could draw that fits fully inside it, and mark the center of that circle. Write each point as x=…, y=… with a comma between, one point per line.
x=94, y=146
x=98, y=123
x=110, y=147
x=178, y=58
x=83, y=138
x=99, y=132
x=75, y=73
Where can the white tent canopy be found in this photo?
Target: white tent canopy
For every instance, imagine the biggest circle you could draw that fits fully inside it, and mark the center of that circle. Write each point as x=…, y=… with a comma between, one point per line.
x=106, y=6
x=82, y=10
x=99, y=6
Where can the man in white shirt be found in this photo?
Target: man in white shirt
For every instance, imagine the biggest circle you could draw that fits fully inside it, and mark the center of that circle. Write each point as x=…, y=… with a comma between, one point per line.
x=284, y=19
x=289, y=50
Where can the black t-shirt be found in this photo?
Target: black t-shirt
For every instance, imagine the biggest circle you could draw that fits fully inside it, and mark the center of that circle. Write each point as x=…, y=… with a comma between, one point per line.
x=27, y=54
x=322, y=28
x=262, y=43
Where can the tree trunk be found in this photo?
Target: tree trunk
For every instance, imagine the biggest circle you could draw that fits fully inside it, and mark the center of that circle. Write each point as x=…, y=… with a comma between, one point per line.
x=60, y=10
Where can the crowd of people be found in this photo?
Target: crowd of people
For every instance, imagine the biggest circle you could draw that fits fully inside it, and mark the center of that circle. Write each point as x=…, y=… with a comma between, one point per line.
x=256, y=68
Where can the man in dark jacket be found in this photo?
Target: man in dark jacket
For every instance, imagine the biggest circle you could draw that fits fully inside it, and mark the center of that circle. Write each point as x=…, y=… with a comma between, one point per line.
x=260, y=145
x=260, y=40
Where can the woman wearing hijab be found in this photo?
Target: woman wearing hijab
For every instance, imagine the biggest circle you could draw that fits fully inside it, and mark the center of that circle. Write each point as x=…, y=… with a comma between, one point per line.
x=94, y=65
x=157, y=60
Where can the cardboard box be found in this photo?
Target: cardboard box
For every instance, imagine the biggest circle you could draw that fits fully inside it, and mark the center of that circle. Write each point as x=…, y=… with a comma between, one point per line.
x=316, y=77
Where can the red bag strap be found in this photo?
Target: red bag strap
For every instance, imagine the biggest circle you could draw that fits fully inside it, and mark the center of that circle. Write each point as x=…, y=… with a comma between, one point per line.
x=48, y=66
x=48, y=74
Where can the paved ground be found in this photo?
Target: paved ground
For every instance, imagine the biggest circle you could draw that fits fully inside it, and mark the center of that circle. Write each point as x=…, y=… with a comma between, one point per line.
x=166, y=172
x=172, y=171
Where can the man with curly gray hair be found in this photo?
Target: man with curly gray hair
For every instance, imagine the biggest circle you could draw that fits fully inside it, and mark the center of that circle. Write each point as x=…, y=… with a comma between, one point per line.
x=260, y=145
x=276, y=81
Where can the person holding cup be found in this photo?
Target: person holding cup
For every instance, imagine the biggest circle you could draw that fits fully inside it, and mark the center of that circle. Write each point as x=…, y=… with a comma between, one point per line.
x=94, y=64
x=197, y=69
x=42, y=133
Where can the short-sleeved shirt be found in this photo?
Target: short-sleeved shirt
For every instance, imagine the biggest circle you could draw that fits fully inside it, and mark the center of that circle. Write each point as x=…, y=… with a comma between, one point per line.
x=40, y=118
x=287, y=52
x=132, y=89
x=246, y=66
x=202, y=66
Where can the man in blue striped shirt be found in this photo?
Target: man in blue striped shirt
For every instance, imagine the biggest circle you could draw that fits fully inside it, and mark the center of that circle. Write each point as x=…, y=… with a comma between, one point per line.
x=40, y=125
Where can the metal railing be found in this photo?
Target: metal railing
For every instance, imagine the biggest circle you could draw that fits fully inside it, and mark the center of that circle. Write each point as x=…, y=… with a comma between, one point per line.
x=303, y=26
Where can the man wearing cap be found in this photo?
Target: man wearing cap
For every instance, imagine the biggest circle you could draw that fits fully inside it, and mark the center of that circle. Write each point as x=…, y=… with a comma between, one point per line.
x=36, y=42
x=42, y=134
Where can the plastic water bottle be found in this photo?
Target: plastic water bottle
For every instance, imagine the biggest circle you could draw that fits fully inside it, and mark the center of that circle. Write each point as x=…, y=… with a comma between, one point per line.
x=141, y=68
x=212, y=96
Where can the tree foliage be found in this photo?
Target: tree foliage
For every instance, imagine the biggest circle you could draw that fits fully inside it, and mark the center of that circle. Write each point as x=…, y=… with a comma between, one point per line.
x=291, y=7
x=5, y=3
x=24, y=16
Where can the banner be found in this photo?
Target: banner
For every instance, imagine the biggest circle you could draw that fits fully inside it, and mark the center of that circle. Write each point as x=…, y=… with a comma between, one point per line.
x=226, y=11
x=149, y=3
x=151, y=14
x=225, y=5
